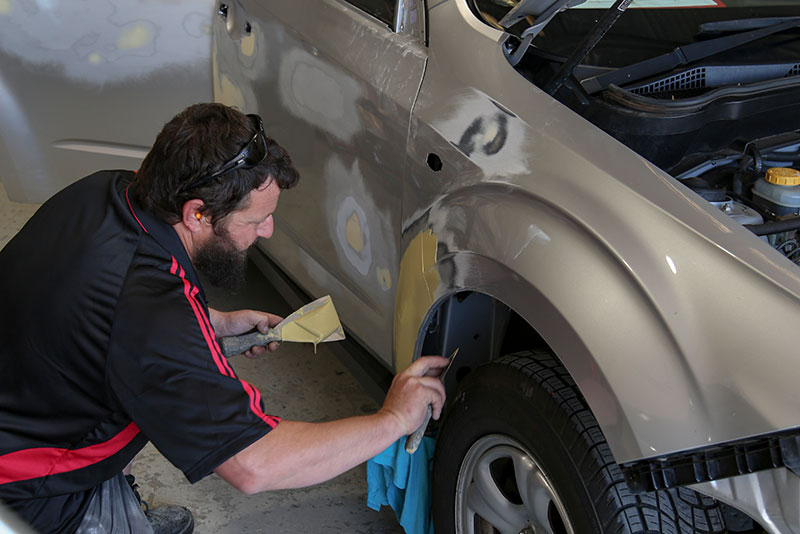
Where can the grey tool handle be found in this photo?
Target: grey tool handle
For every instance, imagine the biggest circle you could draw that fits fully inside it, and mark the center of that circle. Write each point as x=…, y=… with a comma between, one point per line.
x=233, y=345
x=415, y=438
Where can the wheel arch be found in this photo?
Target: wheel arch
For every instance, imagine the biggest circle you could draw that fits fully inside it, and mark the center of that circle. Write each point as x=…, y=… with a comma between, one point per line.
x=542, y=283
x=485, y=324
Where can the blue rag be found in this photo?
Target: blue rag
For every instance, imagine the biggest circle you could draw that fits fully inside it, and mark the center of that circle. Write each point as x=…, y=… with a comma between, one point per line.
x=403, y=481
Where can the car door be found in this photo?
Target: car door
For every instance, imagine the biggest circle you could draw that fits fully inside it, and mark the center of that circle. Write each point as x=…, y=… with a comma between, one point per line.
x=335, y=81
x=88, y=85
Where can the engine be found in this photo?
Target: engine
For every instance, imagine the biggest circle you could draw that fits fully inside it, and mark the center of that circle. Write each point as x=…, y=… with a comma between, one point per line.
x=758, y=186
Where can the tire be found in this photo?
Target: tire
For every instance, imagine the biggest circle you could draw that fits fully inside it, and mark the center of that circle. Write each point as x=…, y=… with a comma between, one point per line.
x=522, y=413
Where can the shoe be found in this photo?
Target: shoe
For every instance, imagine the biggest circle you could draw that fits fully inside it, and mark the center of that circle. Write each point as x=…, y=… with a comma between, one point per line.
x=168, y=519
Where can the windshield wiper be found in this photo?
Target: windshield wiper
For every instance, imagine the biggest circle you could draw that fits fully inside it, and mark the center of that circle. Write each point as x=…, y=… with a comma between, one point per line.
x=564, y=74
x=682, y=56
x=738, y=25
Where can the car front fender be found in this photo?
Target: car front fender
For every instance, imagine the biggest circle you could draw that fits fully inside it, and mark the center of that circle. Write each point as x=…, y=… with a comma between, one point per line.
x=655, y=366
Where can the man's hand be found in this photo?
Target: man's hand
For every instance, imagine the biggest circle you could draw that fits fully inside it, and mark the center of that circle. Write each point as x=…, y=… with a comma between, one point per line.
x=296, y=454
x=241, y=321
x=413, y=390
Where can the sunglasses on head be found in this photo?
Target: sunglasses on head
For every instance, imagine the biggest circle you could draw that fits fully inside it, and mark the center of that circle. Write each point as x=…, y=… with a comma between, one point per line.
x=253, y=153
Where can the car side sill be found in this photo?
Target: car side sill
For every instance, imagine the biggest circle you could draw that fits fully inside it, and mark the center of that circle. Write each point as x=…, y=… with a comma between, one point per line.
x=768, y=451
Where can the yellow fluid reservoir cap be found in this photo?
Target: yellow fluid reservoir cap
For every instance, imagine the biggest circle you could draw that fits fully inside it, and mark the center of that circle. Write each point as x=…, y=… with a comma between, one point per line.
x=783, y=176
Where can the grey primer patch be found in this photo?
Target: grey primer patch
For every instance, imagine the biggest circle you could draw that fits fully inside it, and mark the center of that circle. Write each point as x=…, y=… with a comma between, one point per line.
x=476, y=132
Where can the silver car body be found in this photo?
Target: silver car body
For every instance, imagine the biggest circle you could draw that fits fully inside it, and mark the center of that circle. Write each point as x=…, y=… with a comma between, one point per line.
x=651, y=297
x=88, y=85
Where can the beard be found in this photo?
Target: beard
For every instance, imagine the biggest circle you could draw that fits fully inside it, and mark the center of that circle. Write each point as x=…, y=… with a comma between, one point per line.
x=221, y=262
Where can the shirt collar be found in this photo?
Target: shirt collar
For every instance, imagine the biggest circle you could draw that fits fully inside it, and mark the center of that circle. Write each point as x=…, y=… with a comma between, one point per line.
x=165, y=235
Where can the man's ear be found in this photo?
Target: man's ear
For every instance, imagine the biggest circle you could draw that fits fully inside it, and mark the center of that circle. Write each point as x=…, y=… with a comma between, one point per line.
x=192, y=217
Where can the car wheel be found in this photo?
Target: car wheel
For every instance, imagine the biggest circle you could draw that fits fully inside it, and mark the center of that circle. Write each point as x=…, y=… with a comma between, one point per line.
x=519, y=451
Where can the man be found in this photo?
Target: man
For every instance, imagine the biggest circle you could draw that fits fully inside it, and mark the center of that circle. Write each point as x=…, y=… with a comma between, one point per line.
x=108, y=340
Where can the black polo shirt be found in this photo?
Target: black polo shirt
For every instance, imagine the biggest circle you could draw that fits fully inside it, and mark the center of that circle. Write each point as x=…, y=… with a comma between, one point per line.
x=106, y=343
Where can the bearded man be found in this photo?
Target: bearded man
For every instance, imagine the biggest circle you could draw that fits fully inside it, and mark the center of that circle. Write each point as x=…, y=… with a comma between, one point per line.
x=109, y=342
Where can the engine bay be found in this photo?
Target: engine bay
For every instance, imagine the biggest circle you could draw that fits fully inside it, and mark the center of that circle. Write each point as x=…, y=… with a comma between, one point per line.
x=739, y=149
x=715, y=103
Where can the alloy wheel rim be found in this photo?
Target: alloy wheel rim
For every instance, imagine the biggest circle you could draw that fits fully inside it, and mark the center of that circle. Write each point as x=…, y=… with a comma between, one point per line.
x=502, y=488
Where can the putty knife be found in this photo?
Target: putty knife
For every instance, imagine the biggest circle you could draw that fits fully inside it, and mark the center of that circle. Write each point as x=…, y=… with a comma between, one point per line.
x=415, y=438
x=316, y=322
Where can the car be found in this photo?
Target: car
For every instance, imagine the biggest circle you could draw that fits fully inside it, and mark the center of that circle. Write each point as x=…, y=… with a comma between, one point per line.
x=595, y=202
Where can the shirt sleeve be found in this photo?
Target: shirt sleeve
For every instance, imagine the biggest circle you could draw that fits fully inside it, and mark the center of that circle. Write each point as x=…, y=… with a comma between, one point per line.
x=168, y=373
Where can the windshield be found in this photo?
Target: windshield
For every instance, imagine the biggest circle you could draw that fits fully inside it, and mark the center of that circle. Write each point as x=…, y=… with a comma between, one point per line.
x=652, y=27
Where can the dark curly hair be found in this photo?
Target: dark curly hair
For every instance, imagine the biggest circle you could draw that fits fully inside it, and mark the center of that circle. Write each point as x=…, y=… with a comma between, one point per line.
x=196, y=143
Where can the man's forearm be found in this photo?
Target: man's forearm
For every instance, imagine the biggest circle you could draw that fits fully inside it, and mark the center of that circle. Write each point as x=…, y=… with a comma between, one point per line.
x=217, y=319
x=233, y=323
x=296, y=454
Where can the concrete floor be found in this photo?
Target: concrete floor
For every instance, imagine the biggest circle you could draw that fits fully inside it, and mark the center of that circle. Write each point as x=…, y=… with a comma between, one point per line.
x=12, y=216
x=312, y=387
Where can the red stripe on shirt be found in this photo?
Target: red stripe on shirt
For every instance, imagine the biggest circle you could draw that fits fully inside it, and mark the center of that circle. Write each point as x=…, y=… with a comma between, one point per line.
x=215, y=348
x=42, y=461
x=252, y=392
x=131, y=208
x=198, y=313
x=190, y=292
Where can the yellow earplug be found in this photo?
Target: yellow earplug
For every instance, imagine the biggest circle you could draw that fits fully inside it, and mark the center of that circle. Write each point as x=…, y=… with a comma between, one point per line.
x=198, y=215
